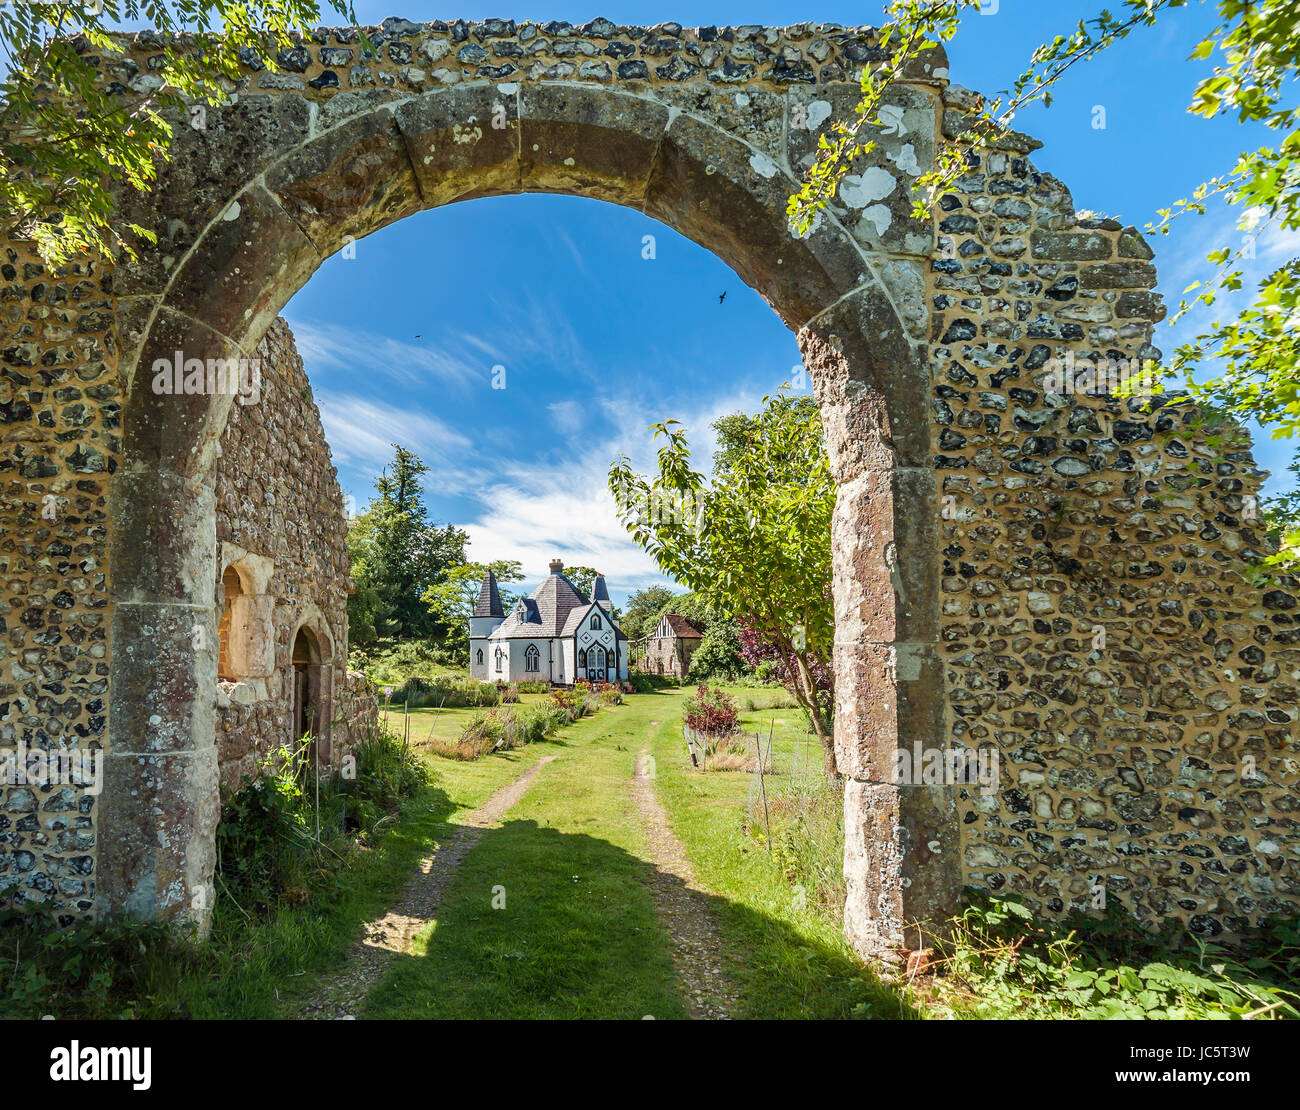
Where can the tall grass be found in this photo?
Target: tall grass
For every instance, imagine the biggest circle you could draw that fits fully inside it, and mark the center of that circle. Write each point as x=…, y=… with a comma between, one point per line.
x=806, y=817
x=513, y=726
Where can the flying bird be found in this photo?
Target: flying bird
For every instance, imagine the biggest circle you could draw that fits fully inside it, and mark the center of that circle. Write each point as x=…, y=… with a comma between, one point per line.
x=722, y=296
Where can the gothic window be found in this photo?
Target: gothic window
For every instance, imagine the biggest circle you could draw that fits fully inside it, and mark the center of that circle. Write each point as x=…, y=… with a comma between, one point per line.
x=595, y=622
x=479, y=658
x=501, y=659
x=582, y=659
x=532, y=659
x=233, y=588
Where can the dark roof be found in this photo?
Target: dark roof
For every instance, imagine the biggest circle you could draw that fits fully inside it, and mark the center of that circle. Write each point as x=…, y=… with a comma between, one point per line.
x=545, y=612
x=599, y=594
x=578, y=615
x=489, y=598
x=681, y=627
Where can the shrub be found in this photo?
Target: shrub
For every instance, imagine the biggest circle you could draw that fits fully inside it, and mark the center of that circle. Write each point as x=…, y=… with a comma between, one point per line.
x=445, y=691
x=93, y=970
x=718, y=655
x=264, y=841
x=644, y=683
x=395, y=663
x=507, y=727
x=279, y=828
x=534, y=686
x=711, y=712
x=509, y=694
x=608, y=694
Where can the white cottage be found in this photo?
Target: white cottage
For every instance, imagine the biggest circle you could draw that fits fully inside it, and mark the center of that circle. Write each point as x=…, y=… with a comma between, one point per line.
x=556, y=634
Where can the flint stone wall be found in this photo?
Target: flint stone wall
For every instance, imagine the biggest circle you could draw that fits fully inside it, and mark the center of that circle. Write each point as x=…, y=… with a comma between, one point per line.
x=278, y=498
x=979, y=541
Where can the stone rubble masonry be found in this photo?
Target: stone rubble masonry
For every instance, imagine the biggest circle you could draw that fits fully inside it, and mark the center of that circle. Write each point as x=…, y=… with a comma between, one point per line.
x=278, y=498
x=984, y=526
x=60, y=440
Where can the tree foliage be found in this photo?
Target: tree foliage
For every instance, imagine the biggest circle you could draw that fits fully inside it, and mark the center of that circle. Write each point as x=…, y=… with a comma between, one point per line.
x=755, y=542
x=451, y=601
x=718, y=656
x=644, y=608
x=69, y=137
x=397, y=555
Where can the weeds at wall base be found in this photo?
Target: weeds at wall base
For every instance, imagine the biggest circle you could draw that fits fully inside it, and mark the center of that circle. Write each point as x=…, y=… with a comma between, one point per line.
x=997, y=961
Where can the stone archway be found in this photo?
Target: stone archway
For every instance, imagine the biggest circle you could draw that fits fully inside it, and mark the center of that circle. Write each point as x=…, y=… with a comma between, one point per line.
x=336, y=174
x=988, y=519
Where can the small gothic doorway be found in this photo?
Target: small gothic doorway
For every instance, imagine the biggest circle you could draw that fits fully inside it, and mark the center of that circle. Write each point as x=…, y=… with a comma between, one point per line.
x=306, y=720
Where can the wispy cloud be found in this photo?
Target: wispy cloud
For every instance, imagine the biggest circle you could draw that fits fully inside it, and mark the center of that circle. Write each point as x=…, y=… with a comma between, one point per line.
x=561, y=505
x=361, y=432
x=447, y=358
x=567, y=416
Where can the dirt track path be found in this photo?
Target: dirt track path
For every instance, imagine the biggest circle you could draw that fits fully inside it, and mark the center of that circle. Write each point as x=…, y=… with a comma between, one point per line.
x=683, y=909
x=342, y=994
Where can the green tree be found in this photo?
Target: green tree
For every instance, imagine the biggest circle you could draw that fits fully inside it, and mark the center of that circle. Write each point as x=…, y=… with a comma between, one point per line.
x=644, y=608
x=451, y=601
x=755, y=543
x=718, y=656
x=363, y=602
x=582, y=577
x=691, y=606
x=68, y=138
x=397, y=554
x=1246, y=367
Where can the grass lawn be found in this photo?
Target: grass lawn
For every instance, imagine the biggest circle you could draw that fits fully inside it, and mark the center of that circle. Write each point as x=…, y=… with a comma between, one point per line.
x=260, y=970
x=790, y=957
x=440, y=724
x=577, y=935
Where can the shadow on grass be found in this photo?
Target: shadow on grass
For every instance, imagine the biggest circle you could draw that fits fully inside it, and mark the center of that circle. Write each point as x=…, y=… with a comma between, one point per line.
x=539, y=923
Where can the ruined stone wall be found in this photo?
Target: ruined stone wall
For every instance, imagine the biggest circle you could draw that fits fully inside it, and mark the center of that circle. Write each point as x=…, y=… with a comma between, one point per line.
x=1157, y=767
x=1153, y=762
x=278, y=498
x=60, y=441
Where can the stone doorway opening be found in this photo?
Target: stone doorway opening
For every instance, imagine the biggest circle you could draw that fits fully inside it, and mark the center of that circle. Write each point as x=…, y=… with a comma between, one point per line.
x=327, y=179
x=308, y=699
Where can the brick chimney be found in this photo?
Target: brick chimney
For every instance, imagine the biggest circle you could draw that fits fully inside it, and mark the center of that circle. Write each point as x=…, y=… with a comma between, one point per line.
x=557, y=567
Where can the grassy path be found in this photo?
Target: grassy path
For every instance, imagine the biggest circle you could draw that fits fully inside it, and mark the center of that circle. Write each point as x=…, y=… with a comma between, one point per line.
x=601, y=894
x=682, y=907
x=341, y=995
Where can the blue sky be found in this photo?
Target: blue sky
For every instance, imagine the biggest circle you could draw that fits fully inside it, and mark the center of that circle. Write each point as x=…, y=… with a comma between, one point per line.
x=597, y=342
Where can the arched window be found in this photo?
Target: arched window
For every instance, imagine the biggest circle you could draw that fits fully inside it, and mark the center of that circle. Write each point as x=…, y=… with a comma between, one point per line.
x=479, y=658
x=232, y=587
x=532, y=659
x=500, y=659
x=595, y=622
x=582, y=658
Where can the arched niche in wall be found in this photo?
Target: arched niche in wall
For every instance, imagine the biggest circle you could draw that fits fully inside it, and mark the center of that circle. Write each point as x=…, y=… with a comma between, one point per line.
x=311, y=686
x=246, y=627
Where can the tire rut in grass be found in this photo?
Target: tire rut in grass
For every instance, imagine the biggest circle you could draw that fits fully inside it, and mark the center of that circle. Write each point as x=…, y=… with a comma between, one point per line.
x=683, y=910
x=344, y=993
